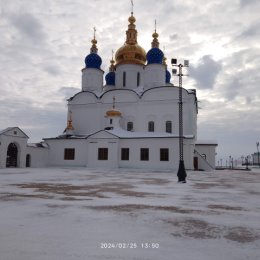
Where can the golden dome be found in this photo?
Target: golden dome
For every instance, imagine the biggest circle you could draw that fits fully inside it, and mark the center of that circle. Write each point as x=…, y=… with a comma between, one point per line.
x=131, y=52
x=113, y=112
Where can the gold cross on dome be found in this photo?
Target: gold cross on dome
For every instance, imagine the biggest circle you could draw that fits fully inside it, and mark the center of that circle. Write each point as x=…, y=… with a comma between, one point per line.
x=94, y=28
x=132, y=8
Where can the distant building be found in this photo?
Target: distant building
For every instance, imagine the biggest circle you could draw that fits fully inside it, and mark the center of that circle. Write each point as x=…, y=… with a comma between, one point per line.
x=131, y=121
x=256, y=158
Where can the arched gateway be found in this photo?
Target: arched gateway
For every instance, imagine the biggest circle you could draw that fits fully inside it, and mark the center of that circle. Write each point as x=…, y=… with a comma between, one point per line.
x=12, y=155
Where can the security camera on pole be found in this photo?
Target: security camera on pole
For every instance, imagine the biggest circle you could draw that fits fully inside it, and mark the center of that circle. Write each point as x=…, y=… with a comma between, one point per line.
x=181, y=171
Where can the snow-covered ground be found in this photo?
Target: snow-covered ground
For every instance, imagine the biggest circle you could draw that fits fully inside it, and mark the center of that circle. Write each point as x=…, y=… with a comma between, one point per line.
x=76, y=213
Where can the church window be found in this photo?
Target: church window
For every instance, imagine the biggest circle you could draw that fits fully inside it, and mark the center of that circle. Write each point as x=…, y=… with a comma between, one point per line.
x=164, y=154
x=111, y=121
x=69, y=154
x=15, y=132
x=150, y=126
x=168, y=126
x=28, y=160
x=144, y=154
x=138, y=79
x=125, y=154
x=102, y=153
x=130, y=126
x=124, y=79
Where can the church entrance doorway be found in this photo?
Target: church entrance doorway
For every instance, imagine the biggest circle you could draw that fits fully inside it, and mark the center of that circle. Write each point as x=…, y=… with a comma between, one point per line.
x=196, y=163
x=12, y=155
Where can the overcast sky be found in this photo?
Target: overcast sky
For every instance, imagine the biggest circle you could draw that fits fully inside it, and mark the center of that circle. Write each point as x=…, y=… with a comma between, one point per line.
x=44, y=42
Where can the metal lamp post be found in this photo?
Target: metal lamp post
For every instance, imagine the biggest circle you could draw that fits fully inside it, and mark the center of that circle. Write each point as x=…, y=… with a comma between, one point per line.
x=257, y=147
x=181, y=171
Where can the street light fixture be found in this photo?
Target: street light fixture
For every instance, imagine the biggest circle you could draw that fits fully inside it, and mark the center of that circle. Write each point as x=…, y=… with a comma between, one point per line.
x=181, y=171
x=257, y=147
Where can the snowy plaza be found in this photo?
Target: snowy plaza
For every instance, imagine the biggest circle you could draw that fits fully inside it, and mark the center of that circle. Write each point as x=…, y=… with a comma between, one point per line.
x=79, y=213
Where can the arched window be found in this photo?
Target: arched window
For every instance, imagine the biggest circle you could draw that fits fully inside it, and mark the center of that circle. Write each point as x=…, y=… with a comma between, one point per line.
x=138, y=79
x=124, y=79
x=130, y=126
x=168, y=126
x=151, y=126
x=28, y=160
x=12, y=155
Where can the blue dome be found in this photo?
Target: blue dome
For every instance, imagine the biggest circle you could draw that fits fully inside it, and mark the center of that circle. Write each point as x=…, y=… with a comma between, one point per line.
x=168, y=76
x=93, y=61
x=110, y=78
x=155, y=55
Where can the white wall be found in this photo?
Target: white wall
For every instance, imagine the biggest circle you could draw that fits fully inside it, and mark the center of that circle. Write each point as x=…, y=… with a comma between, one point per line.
x=92, y=79
x=88, y=112
x=154, y=76
x=131, y=75
x=154, y=146
x=92, y=153
x=209, y=151
x=39, y=156
x=56, y=152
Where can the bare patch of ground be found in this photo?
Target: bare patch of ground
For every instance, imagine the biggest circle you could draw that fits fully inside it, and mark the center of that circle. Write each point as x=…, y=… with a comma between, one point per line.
x=241, y=235
x=224, y=207
x=195, y=228
x=212, y=185
x=155, y=181
x=8, y=196
x=73, y=192
x=136, y=207
x=200, y=229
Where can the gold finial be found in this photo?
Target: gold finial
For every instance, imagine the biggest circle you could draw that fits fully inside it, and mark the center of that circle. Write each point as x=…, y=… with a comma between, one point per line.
x=164, y=58
x=112, y=62
x=69, y=124
x=113, y=112
x=131, y=33
x=155, y=42
x=94, y=48
x=94, y=28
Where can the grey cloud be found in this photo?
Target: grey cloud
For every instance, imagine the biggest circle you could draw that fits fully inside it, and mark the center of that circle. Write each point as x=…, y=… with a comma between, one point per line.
x=52, y=70
x=244, y=3
x=232, y=89
x=251, y=31
x=36, y=121
x=205, y=72
x=173, y=37
x=68, y=91
x=28, y=25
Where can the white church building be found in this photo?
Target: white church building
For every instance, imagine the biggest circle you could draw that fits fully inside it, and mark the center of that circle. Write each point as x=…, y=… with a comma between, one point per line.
x=131, y=121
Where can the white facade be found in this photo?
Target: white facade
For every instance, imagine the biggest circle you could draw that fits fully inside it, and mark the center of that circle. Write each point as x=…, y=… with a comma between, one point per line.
x=13, y=137
x=130, y=121
x=92, y=79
